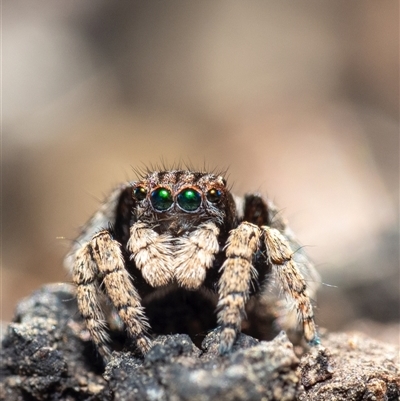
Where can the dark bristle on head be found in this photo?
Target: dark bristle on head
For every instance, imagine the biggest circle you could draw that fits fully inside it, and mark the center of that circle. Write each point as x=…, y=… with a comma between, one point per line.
x=180, y=167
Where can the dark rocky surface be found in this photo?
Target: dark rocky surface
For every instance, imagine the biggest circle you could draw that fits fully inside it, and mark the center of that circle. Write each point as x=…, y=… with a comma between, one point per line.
x=46, y=355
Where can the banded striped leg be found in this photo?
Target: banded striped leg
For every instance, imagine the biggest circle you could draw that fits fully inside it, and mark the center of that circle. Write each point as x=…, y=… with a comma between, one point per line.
x=85, y=275
x=289, y=278
x=107, y=263
x=234, y=284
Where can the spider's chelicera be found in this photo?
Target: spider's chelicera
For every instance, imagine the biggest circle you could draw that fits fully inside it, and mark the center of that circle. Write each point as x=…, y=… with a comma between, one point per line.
x=186, y=229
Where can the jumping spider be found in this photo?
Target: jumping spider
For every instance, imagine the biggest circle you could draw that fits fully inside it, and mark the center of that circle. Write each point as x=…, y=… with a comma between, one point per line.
x=186, y=229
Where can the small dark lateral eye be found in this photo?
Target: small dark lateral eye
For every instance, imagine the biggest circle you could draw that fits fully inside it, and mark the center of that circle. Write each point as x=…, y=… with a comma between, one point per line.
x=214, y=195
x=189, y=200
x=161, y=199
x=140, y=193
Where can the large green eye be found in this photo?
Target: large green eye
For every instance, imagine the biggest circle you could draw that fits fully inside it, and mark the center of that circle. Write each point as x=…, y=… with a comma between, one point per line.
x=214, y=195
x=161, y=199
x=189, y=200
x=140, y=193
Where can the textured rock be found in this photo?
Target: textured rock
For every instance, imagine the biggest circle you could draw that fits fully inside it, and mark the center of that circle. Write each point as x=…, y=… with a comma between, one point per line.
x=47, y=355
x=352, y=367
x=43, y=356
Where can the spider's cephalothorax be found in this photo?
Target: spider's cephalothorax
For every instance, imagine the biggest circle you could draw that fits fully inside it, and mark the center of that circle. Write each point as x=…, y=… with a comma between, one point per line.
x=185, y=229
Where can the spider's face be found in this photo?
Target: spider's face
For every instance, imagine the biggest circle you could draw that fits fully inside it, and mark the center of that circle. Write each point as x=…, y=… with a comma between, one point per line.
x=178, y=200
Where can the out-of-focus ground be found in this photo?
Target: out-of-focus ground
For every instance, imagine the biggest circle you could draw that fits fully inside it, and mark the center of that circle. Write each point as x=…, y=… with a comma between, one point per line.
x=299, y=99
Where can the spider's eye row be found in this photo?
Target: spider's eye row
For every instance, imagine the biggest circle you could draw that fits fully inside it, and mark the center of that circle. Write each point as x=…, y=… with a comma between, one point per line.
x=189, y=200
x=214, y=195
x=140, y=193
x=161, y=199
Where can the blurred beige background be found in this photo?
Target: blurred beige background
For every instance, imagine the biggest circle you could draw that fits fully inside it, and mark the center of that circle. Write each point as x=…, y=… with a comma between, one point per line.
x=300, y=99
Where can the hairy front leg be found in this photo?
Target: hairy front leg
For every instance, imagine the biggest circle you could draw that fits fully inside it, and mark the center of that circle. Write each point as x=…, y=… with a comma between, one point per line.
x=107, y=263
x=290, y=279
x=85, y=275
x=234, y=284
